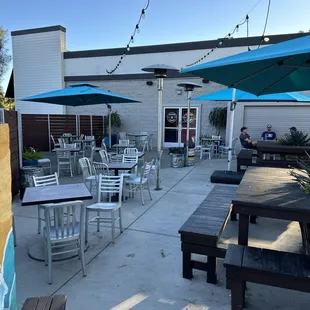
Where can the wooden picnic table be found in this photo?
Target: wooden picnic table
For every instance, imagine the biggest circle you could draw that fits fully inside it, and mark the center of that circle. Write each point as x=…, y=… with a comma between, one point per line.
x=271, y=193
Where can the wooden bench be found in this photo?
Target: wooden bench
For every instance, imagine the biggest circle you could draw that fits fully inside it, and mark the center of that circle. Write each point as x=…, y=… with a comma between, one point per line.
x=244, y=158
x=57, y=302
x=200, y=234
x=269, y=267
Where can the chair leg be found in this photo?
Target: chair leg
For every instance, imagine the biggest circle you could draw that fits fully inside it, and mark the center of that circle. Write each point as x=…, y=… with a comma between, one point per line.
x=58, y=169
x=81, y=241
x=98, y=221
x=120, y=219
x=148, y=187
x=113, y=225
x=45, y=253
x=141, y=194
x=49, y=261
x=86, y=225
x=51, y=172
x=200, y=153
x=39, y=220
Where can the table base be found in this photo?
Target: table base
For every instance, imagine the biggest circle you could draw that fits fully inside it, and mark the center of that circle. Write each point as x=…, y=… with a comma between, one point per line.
x=36, y=252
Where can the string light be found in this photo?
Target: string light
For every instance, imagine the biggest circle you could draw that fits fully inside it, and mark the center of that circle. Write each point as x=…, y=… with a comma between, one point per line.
x=136, y=30
x=229, y=36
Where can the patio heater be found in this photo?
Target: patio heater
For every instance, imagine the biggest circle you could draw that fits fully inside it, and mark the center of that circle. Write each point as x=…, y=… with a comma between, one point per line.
x=188, y=88
x=160, y=72
x=110, y=129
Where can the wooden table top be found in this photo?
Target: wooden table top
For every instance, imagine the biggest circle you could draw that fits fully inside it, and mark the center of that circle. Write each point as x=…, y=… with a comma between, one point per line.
x=273, y=146
x=55, y=194
x=271, y=188
x=121, y=166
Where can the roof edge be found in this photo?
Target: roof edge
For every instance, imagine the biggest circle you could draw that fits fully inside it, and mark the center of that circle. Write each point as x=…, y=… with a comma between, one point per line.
x=38, y=30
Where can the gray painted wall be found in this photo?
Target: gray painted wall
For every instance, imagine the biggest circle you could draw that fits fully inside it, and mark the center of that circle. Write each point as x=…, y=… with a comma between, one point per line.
x=142, y=116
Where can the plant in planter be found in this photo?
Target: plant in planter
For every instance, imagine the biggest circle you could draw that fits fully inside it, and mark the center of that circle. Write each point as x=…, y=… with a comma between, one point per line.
x=116, y=122
x=31, y=157
x=297, y=138
x=217, y=118
x=302, y=175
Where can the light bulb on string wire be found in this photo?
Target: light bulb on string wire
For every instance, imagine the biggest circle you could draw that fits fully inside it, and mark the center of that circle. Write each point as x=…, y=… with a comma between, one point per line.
x=137, y=28
x=128, y=48
x=132, y=39
x=143, y=13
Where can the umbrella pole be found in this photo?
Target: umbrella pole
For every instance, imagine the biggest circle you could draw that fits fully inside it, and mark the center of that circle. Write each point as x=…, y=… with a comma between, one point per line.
x=110, y=134
x=159, y=137
x=231, y=129
x=189, y=95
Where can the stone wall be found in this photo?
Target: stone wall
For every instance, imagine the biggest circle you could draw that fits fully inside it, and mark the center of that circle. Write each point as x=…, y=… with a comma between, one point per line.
x=7, y=267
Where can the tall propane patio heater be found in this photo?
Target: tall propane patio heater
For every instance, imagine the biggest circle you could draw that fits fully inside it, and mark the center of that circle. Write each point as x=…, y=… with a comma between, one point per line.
x=188, y=88
x=160, y=72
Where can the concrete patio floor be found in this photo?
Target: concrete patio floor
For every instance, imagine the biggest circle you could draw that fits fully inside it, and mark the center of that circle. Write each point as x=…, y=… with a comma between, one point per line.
x=142, y=269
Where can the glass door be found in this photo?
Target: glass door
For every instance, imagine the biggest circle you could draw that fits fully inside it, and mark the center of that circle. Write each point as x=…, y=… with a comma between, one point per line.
x=175, y=121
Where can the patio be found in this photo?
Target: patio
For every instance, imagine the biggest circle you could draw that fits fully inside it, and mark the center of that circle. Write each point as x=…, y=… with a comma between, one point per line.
x=142, y=270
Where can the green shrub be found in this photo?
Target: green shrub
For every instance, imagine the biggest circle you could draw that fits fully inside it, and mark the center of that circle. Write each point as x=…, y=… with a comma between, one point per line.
x=32, y=154
x=297, y=138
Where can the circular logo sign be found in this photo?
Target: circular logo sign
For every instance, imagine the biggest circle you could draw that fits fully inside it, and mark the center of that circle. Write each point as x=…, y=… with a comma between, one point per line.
x=172, y=117
x=191, y=117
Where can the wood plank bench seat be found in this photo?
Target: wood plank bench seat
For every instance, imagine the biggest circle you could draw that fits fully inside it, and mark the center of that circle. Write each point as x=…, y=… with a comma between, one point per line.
x=245, y=158
x=201, y=233
x=263, y=266
x=57, y=302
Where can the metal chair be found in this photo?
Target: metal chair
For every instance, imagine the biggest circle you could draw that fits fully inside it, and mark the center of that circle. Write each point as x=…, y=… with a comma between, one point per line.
x=61, y=142
x=104, y=156
x=145, y=140
x=216, y=140
x=67, y=137
x=63, y=233
x=87, y=171
x=130, y=159
x=47, y=180
x=54, y=143
x=108, y=186
x=223, y=150
x=206, y=146
x=122, y=135
x=100, y=168
x=64, y=161
x=130, y=151
x=45, y=163
x=139, y=183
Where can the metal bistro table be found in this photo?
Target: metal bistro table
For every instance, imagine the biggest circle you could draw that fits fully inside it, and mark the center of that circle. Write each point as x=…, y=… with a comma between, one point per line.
x=271, y=193
x=52, y=194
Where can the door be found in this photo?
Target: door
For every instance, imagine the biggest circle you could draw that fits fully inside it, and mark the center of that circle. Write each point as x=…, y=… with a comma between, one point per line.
x=175, y=122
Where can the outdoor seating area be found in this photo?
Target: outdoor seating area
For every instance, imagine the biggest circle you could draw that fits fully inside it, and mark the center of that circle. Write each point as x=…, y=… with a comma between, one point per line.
x=179, y=186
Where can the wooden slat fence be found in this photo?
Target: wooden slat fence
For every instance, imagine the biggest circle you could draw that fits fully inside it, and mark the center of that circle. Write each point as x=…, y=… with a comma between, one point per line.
x=10, y=117
x=37, y=128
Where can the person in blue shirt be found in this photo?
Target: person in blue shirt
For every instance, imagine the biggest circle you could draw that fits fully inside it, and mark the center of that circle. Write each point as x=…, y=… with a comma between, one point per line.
x=269, y=134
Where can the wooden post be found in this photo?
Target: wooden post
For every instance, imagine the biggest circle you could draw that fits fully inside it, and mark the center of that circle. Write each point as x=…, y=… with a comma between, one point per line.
x=7, y=266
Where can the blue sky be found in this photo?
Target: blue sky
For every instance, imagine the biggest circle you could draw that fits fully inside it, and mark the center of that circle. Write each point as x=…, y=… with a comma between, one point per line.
x=95, y=24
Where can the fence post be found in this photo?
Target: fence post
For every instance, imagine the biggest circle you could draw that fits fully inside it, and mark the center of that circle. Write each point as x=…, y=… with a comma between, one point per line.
x=49, y=132
x=91, y=125
x=20, y=138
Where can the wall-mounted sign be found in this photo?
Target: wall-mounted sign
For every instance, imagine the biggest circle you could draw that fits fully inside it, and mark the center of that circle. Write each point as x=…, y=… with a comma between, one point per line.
x=172, y=117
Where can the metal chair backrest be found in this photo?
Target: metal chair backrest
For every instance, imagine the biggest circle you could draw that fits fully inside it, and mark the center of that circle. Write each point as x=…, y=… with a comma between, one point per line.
x=89, y=137
x=61, y=142
x=216, y=137
x=123, y=142
x=46, y=180
x=130, y=159
x=145, y=136
x=116, y=159
x=85, y=167
x=234, y=141
x=67, y=135
x=103, y=146
x=122, y=135
x=144, y=148
x=146, y=170
x=100, y=168
x=206, y=142
x=63, y=154
x=81, y=137
x=104, y=156
x=60, y=218
x=53, y=140
x=130, y=150
x=70, y=145
x=110, y=185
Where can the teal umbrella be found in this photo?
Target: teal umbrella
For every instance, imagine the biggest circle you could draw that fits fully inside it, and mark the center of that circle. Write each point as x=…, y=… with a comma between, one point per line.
x=276, y=68
x=81, y=94
x=239, y=95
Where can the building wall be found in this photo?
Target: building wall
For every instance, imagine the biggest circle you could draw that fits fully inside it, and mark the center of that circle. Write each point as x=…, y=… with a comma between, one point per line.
x=137, y=117
x=38, y=67
x=7, y=264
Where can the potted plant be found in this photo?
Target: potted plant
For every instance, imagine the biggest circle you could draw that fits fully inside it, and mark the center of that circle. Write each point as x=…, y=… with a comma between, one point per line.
x=217, y=118
x=116, y=122
x=31, y=157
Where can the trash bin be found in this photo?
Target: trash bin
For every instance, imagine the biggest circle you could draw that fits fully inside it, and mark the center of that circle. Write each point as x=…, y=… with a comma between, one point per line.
x=177, y=157
x=191, y=157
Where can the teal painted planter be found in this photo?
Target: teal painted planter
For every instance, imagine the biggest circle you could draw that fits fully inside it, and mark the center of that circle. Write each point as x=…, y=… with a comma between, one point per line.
x=30, y=162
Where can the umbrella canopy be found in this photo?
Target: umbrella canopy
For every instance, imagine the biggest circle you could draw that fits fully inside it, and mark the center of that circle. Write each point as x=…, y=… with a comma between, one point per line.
x=273, y=69
x=226, y=95
x=79, y=95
